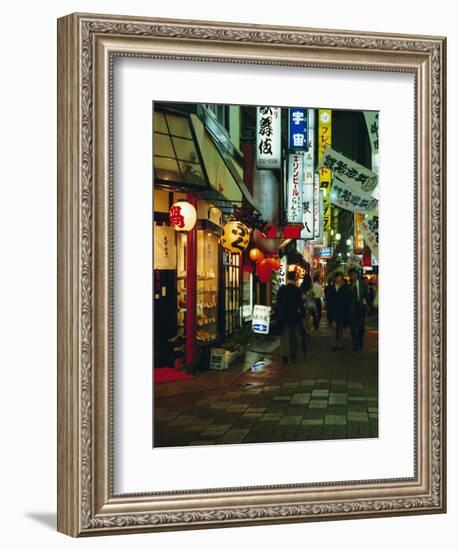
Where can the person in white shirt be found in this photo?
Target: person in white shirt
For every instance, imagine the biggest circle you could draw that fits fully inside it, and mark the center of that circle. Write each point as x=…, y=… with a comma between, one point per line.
x=318, y=294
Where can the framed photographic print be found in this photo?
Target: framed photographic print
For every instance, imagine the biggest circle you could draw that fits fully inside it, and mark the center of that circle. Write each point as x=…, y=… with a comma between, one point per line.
x=251, y=281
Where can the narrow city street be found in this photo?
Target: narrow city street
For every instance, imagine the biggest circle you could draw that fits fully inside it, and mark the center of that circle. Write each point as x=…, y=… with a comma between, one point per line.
x=329, y=395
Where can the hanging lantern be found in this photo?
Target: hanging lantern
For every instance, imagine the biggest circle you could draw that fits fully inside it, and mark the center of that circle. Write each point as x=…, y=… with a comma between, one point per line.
x=274, y=263
x=236, y=236
x=264, y=271
x=183, y=216
x=256, y=255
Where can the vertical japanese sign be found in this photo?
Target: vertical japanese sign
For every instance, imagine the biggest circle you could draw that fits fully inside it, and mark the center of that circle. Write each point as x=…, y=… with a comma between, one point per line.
x=268, y=137
x=369, y=230
x=165, y=252
x=371, y=118
x=316, y=206
x=325, y=140
x=309, y=176
x=281, y=277
x=335, y=221
x=321, y=216
x=298, y=129
x=294, y=188
x=319, y=237
x=372, y=122
x=359, y=237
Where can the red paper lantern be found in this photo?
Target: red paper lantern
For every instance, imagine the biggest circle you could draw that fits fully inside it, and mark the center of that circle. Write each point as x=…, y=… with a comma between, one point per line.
x=264, y=271
x=256, y=255
x=274, y=263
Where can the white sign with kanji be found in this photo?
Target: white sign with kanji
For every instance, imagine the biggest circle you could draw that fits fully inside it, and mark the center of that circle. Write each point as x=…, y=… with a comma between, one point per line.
x=294, y=206
x=268, y=137
x=261, y=319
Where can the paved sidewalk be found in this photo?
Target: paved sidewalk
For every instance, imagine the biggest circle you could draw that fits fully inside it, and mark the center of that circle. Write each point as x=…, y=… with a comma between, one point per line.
x=329, y=395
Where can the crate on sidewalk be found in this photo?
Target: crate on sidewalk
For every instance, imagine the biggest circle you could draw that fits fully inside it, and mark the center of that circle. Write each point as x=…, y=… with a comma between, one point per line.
x=222, y=359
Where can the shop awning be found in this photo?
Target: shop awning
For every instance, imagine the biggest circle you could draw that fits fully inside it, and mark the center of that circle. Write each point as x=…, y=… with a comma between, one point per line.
x=226, y=153
x=187, y=155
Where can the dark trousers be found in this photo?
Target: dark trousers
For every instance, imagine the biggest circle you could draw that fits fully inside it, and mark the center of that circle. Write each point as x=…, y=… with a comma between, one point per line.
x=317, y=314
x=357, y=327
x=291, y=333
x=339, y=328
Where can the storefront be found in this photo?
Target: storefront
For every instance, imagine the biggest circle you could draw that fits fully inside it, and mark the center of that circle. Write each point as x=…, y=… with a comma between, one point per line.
x=197, y=283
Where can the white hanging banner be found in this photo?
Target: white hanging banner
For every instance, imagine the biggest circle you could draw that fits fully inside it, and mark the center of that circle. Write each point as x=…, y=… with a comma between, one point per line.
x=358, y=178
x=371, y=118
x=355, y=261
x=369, y=229
x=294, y=188
x=268, y=137
x=344, y=197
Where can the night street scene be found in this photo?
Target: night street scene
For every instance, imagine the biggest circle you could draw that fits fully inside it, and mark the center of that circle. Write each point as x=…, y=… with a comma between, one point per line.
x=265, y=275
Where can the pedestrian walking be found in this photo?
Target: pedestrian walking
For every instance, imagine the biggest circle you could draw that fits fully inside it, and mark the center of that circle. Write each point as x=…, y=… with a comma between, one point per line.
x=290, y=313
x=327, y=292
x=371, y=297
x=306, y=284
x=318, y=295
x=308, y=301
x=338, y=305
x=358, y=304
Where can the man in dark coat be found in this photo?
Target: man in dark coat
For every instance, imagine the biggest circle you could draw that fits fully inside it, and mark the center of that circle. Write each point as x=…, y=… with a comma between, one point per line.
x=338, y=305
x=290, y=312
x=358, y=302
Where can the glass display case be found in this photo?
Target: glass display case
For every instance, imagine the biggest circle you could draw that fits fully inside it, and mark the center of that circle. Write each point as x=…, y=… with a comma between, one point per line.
x=232, y=292
x=207, y=286
x=247, y=295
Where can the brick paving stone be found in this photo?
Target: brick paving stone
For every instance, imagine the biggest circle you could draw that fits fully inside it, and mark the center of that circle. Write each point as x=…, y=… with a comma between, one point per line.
x=197, y=426
x=251, y=415
x=337, y=398
x=355, y=386
x=221, y=405
x=335, y=420
x=165, y=416
x=289, y=420
x=358, y=417
x=216, y=429
x=237, y=408
x=270, y=417
x=182, y=420
x=311, y=421
x=318, y=404
x=233, y=436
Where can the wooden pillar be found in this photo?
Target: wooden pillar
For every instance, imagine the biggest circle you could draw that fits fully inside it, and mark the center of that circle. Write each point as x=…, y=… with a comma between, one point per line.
x=191, y=290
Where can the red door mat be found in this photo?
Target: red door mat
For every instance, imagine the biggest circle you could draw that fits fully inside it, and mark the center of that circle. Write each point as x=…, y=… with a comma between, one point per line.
x=166, y=374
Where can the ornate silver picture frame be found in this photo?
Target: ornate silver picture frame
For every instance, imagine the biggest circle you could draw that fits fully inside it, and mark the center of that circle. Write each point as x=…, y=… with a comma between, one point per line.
x=87, y=46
